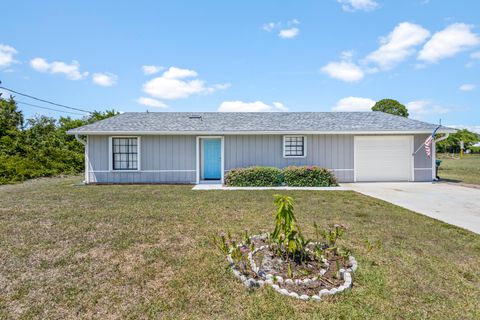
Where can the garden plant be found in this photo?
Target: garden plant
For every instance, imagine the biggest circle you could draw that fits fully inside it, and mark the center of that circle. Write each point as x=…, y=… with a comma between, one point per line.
x=294, y=266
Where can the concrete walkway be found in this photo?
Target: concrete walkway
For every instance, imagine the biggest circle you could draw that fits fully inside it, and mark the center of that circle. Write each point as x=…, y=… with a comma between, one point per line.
x=450, y=203
x=222, y=187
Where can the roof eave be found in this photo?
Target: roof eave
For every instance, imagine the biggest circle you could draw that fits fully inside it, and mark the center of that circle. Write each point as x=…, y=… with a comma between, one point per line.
x=398, y=132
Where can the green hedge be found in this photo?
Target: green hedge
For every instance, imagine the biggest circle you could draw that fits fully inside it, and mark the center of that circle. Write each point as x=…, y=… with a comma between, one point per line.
x=306, y=176
x=254, y=177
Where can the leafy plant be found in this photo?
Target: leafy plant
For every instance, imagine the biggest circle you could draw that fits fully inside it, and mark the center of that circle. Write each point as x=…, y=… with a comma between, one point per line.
x=308, y=176
x=287, y=236
x=254, y=177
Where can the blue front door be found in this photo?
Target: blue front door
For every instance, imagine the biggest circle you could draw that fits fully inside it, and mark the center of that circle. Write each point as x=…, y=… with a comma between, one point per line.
x=212, y=157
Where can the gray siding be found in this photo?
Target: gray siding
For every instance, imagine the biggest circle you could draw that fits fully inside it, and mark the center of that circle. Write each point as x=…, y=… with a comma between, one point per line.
x=164, y=159
x=171, y=159
x=330, y=151
x=422, y=163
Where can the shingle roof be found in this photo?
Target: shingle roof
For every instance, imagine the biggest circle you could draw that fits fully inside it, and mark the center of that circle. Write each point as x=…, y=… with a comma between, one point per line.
x=268, y=122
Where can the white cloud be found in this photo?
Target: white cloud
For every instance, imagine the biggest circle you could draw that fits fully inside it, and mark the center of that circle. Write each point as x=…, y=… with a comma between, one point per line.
x=173, y=85
x=151, y=69
x=343, y=70
x=269, y=26
x=467, y=87
x=398, y=45
x=151, y=102
x=71, y=71
x=453, y=39
x=256, y=106
x=6, y=55
x=288, y=33
x=354, y=104
x=178, y=73
x=419, y=108
x=286, y=30
x=354, y=5
x=475, y=55
x=105, y=79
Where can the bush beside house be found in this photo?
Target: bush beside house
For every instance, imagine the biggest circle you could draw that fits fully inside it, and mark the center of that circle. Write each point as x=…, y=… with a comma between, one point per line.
x=254, y=176
x=304, y=176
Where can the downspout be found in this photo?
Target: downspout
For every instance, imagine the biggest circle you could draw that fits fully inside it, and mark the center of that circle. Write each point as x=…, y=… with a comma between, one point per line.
x=80, y=140
x=434, y=158
x=87, y=168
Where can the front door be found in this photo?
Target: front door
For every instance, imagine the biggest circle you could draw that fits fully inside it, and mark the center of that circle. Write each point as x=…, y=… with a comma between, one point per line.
x=212, y=157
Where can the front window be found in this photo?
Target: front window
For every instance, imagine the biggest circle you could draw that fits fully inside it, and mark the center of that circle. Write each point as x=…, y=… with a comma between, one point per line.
x=125, y=153
x=294, y=146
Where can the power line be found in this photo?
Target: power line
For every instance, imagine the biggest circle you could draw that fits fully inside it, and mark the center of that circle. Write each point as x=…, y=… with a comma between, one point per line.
x=41, y=107
x=42, y=100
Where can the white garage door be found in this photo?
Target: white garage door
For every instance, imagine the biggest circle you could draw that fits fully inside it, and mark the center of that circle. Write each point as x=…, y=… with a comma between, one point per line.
x=383, y=158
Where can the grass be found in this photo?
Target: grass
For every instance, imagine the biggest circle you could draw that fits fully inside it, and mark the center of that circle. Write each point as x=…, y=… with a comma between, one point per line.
x=69, y=252
x=465, y=169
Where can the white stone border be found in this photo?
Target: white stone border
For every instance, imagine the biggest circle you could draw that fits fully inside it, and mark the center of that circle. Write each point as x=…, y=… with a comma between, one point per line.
x=345, y=274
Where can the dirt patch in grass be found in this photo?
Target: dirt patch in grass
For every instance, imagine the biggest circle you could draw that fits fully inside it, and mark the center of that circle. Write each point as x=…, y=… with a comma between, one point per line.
x=105, y=252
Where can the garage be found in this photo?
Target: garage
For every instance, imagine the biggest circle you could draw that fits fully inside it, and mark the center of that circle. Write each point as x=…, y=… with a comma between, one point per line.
x=383, y=158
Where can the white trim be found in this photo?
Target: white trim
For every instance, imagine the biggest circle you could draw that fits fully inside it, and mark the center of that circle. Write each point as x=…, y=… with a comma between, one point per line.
x=135, y=171
x=110, y=154
x=412, y=162
x=434, y=156
x=87, y=164
x=354, y=159
x=224, y=133
x=222, y=154
x=304, y=146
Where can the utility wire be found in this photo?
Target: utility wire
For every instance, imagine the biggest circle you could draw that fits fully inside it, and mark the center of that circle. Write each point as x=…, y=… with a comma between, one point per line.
x=41, y=107
x=42, y=100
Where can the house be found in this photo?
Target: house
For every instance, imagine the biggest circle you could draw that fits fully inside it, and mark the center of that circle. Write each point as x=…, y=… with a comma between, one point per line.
x=180, y=147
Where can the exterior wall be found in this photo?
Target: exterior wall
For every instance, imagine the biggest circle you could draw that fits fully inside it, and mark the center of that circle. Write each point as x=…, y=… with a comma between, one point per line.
x=330, y=151
x=172, y=159
x=163, y=159
x=422, y=163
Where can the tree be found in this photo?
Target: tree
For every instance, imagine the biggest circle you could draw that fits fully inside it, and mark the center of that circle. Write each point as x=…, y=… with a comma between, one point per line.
x=391, y=106
x=39, y=147
x=452, y=143
x=11, y=119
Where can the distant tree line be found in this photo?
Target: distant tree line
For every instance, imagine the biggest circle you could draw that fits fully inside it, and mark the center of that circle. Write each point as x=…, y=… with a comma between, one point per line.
x=39, y=146
x=451, y=144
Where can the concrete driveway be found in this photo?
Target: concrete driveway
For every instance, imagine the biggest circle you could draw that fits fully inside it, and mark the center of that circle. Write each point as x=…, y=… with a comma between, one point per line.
x=453, y=204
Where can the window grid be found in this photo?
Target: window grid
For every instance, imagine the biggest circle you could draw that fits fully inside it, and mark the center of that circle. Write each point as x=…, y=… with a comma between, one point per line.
x=294, y=146
x=125, y=153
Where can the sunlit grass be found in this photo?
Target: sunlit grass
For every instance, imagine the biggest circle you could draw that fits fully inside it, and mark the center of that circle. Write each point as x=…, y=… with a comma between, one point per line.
x=465, y=169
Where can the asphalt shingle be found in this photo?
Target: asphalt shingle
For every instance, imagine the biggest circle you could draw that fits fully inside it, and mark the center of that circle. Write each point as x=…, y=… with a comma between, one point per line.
x=218, y=122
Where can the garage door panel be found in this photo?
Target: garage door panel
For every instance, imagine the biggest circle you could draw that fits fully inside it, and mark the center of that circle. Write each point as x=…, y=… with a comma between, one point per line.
x=383, y=158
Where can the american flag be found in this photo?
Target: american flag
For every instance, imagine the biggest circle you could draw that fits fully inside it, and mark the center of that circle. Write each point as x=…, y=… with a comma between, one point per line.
x=428, y=142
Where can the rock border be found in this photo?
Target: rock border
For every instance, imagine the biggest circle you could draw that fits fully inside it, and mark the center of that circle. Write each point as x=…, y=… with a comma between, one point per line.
x=345, y=274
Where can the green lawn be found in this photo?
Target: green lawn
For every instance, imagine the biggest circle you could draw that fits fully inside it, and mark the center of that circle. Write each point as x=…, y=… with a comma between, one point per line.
x=465, y=169
x=69, y=252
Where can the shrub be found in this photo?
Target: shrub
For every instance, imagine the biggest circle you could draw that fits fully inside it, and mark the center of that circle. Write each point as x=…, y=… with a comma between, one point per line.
x=308, y=176
x=254, y=177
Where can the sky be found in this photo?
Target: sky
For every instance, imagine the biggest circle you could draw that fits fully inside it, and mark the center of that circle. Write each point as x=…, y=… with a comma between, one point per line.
x=329, y=55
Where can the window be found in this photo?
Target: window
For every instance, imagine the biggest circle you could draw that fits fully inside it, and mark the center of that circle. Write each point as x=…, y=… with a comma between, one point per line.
x=294, y=146
x=125, y=153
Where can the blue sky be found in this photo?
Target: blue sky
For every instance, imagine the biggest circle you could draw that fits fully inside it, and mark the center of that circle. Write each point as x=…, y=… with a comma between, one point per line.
x=246, y=55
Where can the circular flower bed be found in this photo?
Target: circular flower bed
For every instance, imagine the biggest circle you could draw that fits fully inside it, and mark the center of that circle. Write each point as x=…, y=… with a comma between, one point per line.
x=287, y=261
x=309, y=279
